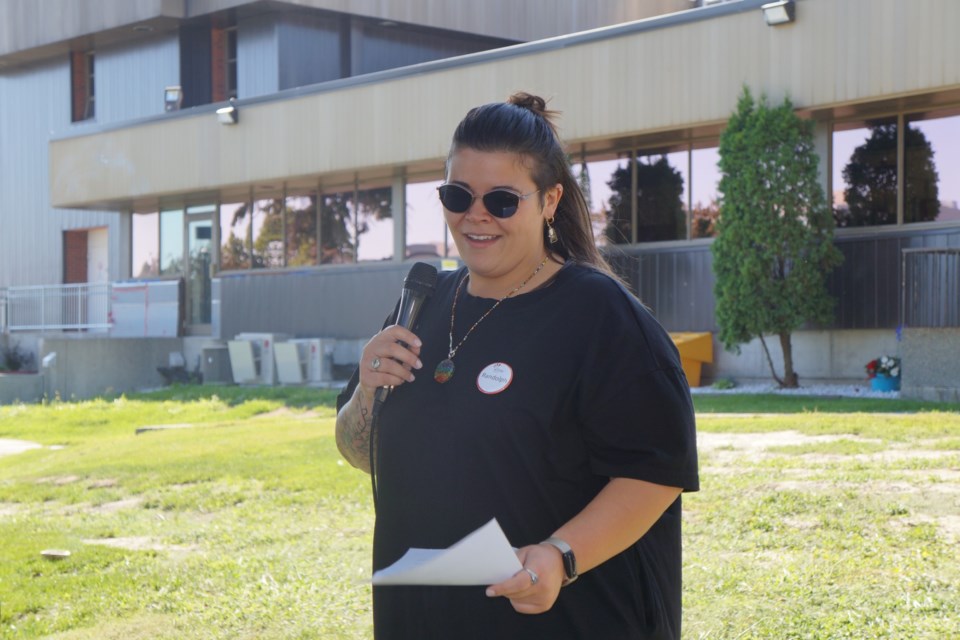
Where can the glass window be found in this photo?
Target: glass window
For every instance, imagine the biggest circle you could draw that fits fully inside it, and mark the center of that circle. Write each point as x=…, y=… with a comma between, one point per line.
x=660, y=197
x=171, y=242
x=301, y=228
x=598, y=180
x=426, y=233
x=234, y=236
x=356, y=225
x=267, y=224
x=931, y=159
x=704, y=191
x=865, y=173
x=146, y=245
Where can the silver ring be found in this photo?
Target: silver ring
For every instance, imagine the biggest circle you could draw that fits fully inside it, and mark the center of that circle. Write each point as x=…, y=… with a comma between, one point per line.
x=534, y=578
x=375, y=364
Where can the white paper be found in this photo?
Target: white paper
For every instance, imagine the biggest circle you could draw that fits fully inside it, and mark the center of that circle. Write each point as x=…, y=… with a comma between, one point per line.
x=482, y=558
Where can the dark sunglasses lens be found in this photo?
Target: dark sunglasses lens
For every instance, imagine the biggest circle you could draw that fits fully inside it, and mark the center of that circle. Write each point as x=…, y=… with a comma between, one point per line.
x=454, y=198
x=501, y=204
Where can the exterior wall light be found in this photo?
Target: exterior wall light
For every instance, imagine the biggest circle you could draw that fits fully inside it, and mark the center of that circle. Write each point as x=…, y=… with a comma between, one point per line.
x=228, y=114
x=172, y=97
x=779, y=12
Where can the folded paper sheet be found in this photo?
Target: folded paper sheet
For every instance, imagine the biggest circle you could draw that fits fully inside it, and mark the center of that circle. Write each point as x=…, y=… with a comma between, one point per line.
x=484, y=557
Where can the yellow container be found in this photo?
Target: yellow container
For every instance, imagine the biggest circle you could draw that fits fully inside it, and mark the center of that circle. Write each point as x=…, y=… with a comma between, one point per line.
x=695, y=349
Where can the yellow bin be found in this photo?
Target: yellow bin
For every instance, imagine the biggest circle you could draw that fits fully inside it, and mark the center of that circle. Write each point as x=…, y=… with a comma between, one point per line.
x=695, y=349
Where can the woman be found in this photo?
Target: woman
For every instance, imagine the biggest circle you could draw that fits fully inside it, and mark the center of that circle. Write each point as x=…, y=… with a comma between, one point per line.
x=536, y=390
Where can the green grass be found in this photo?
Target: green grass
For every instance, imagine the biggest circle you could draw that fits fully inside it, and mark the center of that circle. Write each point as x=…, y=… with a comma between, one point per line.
x=247, y=525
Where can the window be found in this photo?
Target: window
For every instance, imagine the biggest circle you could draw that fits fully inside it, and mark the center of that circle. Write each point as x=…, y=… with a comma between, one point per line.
x=356, y=225
x=171, y=242
x=82, y=85
x=931, y=159
x=146, y=246
x=235, y=239
x=594, y=177
x=426, y=233
x=704, y=195
x=865, y=173
x=300, y=228
x=267, y=223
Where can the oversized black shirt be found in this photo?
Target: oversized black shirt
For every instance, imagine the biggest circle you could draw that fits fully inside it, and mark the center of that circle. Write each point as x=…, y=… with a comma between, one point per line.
x=554, y=392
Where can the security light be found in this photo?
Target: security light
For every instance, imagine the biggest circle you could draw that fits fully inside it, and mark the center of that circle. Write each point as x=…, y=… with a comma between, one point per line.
x=228, y=114
x=779, y=12
x=172, y=97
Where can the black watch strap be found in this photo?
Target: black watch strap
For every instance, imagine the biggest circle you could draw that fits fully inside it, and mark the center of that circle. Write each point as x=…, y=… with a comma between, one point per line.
x=569, y=560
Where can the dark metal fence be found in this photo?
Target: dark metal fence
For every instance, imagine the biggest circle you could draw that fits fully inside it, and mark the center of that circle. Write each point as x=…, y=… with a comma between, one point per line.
x=931, y=288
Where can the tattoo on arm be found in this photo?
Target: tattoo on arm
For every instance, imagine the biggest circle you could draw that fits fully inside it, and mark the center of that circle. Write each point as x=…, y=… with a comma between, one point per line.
x=353, y=431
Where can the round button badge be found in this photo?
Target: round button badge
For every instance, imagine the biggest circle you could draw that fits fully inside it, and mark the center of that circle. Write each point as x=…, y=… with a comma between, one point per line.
x=495, y=378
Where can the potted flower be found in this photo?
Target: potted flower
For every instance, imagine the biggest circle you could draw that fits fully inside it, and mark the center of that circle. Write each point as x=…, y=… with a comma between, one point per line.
x=884, y=373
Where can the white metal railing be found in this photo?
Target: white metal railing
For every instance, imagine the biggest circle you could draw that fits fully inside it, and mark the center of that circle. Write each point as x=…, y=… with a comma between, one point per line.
x=60, y=307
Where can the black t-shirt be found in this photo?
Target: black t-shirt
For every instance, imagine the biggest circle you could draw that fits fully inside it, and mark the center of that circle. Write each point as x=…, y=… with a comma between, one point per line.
x=554, y=392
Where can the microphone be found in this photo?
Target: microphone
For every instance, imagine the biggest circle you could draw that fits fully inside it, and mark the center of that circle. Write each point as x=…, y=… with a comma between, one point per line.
x=419, y=285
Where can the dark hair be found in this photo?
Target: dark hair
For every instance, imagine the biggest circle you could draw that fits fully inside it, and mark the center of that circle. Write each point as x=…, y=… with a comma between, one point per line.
x=524, y=126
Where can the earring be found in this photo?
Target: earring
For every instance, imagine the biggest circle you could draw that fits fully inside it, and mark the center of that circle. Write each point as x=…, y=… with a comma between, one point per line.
x=551, y=232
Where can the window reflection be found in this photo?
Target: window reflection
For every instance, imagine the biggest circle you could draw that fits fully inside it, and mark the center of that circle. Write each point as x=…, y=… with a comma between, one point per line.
x=704, y=192
x=356, y=225
x=594, y=177
x=301, y=229
x=426, y=232
x=234, y=236
x=267, y=225
x=171, y=242
x=659, y=201
x=929, y=193
x=865, y=173
x=146, y=246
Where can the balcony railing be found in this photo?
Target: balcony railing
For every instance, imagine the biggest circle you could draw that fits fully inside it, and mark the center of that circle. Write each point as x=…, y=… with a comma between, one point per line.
x=65, y=307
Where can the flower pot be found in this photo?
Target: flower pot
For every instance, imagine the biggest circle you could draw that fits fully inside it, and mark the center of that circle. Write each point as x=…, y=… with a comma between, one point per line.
x=883, y=382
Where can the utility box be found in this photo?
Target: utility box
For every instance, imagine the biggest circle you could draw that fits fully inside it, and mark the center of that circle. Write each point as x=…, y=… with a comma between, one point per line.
x=215, y=365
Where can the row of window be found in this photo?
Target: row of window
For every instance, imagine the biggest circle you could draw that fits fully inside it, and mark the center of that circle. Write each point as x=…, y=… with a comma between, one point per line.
x=676, y=198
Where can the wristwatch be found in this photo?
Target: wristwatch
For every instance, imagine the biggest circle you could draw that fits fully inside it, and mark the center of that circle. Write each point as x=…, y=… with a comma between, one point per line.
x=569, y=560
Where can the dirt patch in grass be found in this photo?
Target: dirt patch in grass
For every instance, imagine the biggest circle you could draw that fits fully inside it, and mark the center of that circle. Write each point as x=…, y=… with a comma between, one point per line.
x=140, y=543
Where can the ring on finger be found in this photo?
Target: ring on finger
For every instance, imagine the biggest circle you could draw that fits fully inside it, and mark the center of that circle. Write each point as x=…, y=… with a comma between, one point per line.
x=534, y=578
x=375, y=364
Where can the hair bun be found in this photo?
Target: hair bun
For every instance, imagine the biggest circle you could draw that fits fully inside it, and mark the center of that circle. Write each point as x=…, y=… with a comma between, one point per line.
x=536, y=105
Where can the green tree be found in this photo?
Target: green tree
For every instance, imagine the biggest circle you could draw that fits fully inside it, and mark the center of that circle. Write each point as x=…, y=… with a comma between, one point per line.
x=871, y=177
x=774, y=246
x=660, y=213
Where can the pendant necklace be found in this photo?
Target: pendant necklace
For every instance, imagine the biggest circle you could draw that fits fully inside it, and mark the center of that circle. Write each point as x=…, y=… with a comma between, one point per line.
x=444, y=370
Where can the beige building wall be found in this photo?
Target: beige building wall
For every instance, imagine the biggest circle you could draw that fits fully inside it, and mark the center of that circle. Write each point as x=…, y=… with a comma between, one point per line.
x=664, y=75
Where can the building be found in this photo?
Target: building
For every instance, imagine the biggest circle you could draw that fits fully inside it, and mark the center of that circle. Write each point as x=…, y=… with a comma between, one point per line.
x=265, y=161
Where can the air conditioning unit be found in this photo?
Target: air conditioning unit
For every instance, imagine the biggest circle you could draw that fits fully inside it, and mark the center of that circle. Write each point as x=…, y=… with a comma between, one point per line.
x=317, y=353
x=262, y=344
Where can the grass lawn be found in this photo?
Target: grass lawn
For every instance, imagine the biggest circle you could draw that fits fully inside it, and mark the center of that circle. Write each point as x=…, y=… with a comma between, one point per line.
x=817, y=518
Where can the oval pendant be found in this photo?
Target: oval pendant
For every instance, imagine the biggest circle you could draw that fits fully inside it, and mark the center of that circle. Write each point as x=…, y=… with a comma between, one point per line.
x=444, y=371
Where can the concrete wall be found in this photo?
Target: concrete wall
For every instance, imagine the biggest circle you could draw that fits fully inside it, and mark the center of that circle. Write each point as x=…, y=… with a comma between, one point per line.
x=87, y=367
x=818, y=357
x=929, y=359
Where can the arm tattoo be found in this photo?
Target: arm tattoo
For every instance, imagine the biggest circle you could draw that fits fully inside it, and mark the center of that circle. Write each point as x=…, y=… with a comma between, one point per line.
x=353, y=431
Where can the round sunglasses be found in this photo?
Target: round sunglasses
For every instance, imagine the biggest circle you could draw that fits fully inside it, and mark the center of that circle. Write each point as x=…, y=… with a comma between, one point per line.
x=500, y=203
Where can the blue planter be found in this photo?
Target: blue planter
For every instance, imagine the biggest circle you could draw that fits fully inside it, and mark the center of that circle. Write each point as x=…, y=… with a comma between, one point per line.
x=883, y=382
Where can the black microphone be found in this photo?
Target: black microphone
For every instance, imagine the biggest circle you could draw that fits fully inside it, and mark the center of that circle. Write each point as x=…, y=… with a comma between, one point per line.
x=419, y=285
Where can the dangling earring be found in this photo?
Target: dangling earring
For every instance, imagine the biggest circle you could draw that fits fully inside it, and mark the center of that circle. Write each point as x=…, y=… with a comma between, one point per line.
x=551, y=232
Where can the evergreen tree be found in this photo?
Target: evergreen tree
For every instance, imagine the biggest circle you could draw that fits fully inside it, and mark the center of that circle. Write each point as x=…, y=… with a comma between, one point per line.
x=774, y=245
